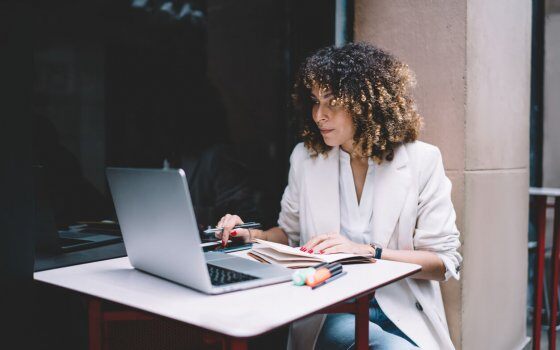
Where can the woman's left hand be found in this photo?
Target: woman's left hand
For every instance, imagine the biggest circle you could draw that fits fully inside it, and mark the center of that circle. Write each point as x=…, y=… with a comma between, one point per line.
x=330, y=243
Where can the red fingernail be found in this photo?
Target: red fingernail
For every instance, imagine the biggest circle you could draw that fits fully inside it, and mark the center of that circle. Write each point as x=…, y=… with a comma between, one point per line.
x=233, y=233
x=322, y=251
x=304, y=249
x=310, y=251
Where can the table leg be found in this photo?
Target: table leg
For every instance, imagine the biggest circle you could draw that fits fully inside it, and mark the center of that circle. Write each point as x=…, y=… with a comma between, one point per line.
x=362, y=322
x=537, y=312
x=95, y=326
x=555, y=269
x=237, y=344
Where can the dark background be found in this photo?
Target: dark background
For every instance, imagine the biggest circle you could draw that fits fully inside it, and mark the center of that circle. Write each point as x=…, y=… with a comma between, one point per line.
x=134, y=82
x=91, y=84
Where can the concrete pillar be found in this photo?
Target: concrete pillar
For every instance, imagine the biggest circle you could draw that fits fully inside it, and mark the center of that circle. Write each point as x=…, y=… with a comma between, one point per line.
x=472, y=62
x=551, y=129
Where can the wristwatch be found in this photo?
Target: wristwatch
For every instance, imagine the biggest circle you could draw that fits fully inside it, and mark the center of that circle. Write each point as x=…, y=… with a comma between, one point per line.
x=376, y=251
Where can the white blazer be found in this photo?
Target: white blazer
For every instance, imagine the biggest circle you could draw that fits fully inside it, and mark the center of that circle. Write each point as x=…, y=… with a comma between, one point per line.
x=412, y=201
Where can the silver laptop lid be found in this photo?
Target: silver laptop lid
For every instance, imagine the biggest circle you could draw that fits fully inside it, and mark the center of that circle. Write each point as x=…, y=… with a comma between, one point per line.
x=158, y=224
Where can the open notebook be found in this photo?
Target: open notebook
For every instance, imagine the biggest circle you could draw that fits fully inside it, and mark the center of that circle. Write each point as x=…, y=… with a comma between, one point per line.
x=276, y=253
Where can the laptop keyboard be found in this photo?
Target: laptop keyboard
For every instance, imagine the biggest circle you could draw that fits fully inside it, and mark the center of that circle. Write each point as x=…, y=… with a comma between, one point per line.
x=220, y=276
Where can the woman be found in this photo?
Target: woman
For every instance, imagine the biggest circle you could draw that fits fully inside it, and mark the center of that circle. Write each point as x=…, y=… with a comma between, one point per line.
x=361, y=183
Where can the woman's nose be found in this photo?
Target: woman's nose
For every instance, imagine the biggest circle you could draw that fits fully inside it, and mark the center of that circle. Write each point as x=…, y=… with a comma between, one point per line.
x=320, y=114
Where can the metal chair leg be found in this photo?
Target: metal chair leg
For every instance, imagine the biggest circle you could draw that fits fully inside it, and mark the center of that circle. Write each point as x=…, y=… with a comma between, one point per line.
x=545, y=290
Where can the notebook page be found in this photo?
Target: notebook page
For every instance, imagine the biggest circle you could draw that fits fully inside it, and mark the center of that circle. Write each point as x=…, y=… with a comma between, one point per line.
x=279, y=256
x=294, y=251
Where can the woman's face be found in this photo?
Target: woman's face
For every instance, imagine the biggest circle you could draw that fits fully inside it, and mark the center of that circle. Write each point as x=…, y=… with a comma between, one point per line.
x=334, y=122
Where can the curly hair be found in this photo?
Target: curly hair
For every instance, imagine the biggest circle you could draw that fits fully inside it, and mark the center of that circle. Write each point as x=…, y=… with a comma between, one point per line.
x=372, y=85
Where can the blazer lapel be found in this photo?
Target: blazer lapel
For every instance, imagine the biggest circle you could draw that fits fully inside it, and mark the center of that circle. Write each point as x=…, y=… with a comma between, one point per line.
x=390, y=185
x=321, y=182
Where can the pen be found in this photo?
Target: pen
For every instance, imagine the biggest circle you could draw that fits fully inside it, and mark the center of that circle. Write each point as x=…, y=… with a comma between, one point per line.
x=333, y=266
x=320, y=265
x=330, y=279
x=244, y=225
x=300, y=276
x=323, y=274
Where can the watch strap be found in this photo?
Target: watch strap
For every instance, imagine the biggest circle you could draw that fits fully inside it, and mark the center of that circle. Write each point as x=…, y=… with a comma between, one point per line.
x=376, y=251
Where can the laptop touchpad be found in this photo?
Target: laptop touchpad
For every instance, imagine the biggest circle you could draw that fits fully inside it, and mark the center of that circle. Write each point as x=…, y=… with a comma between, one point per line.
x=250, y=267
x=214, y=256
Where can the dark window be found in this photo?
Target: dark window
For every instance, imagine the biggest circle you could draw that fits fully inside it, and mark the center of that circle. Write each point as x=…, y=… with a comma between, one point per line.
x=201, y=85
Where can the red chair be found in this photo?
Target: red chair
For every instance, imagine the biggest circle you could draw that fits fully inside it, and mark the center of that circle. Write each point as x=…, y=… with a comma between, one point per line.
x=540, y=197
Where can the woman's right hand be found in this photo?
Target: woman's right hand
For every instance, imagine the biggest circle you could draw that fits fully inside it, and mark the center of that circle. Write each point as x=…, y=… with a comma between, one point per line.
x=227, y=222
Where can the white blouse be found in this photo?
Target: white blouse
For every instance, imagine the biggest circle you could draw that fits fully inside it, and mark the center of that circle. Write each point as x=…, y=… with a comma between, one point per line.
x=355, y=218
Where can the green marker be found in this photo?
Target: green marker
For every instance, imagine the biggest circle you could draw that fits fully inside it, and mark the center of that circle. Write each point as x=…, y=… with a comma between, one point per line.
x=299, y=276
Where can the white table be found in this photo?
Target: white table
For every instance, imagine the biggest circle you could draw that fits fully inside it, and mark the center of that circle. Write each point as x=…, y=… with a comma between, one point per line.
x=260, y=309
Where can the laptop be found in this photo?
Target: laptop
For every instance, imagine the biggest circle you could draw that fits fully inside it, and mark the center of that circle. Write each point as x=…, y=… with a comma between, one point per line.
x=48, y=238
x=161, y=236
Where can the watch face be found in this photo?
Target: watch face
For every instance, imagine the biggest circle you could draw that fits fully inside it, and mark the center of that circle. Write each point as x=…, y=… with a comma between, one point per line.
x=378, y=253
